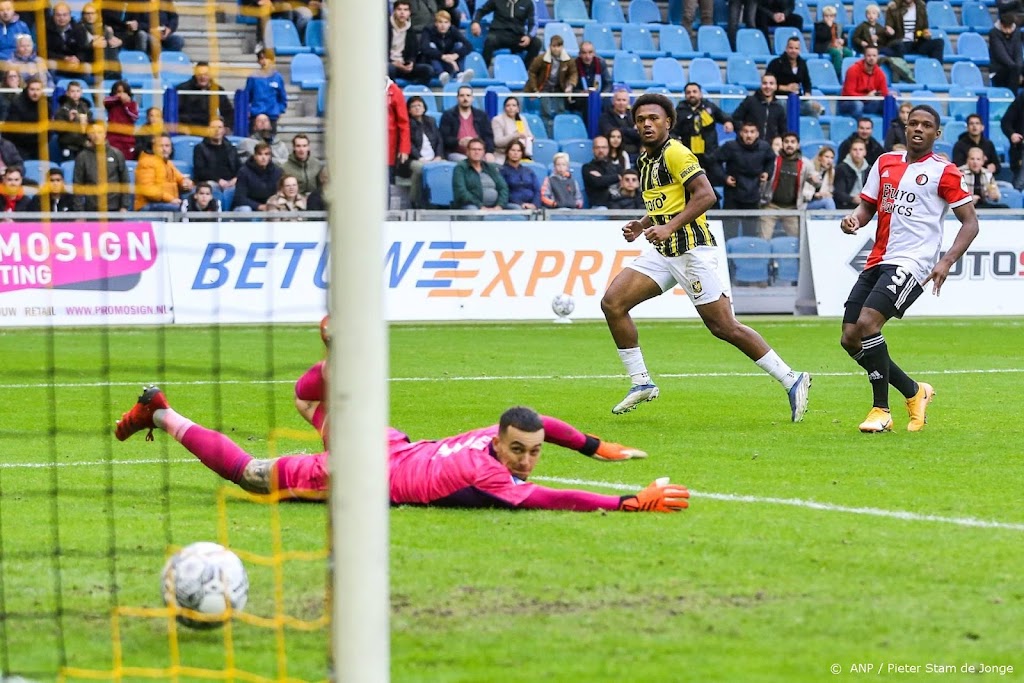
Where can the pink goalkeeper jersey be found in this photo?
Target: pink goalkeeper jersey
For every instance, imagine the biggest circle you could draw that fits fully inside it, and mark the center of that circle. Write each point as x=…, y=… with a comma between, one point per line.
x=912, y=201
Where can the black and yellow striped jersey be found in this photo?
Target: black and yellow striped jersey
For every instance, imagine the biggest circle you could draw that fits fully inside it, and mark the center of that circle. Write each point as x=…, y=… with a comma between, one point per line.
x=663, y=177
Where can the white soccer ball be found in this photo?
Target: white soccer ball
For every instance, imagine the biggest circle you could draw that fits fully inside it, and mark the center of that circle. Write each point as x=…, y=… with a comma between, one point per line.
x=205, y=577
x=563, y=305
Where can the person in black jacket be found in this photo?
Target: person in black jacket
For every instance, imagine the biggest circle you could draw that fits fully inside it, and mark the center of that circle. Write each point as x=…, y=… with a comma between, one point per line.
x=215, y=160
x=865, y=133
x=1006, y=63
x=1012, y=125
x=600, y=174
x=627, y=195
x=167, y=31
x=748, y=161
x=404, y=62
x=695, y=127
x=426, y=140
x=897, y=133
x=620, y=117
x=13, y=197
x=315, y=201
x=510, y=28
x=28, y=111
x=763, y=110
x=67, y=45
x=771, y=14
x=200, y=110
x=445, y=48
x=974, y=137
x=454, y=146
x=793, y=76
x=9, y=156
x=52, y=198
x=851, y=175
x=132, y=28
x=257, y=181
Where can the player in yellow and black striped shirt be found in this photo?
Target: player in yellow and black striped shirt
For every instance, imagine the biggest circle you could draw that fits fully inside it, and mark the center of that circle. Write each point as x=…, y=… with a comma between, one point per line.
x=677, y=194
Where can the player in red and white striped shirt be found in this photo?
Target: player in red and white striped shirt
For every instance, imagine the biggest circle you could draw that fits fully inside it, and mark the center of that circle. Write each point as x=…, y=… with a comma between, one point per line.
x=911, y=191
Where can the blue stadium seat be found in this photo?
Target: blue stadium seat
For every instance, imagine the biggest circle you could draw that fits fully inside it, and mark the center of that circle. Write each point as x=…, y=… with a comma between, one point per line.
x=941, y=15
x=321, y=100
x=842, y=13
x=741, y=70
x=644, y=12
x=810, y=148
x=976, y=17
x=175, y=68
x=535, y=122
x=510, y=70
x=999, y=141
x=569, y=127
x=307, y=71
x=183, y=147
x=712, y=42
x=752, y=268
x=148, y=99
x=131, y=166
x=572, y=12
x=930, y=98
x=728, y=105
x=859, y=11
x=437, y=181
x=609, y=13
x=183, y=165
x=999, y=101
x=638, y=40
x=810, y=129
x=972, y=47
x=475, y=61
x=627, y=68
x=315, y=36
x=706, y=72
x=578, y=150
x=539, y=172
x=945, y=148
x=823, y=76
x=1011, y=197
x=930, y=74
x=544, y=150
x=953, y=130
x=557, y=28
x=782, y=36
x=602, y=38
x=450, y=92
x=848, y=62
x=675, y=40
x=751, y=43
x=961, y=110
x=801, y=10
x=669, y=71
x=840, y=128
x=99, y=113
x=540, y=14
x=246, y=14
x=784, y=249
x=967, y=75
x=282, y=36
x=35, y=171
x=135, y=67
x=502, y=91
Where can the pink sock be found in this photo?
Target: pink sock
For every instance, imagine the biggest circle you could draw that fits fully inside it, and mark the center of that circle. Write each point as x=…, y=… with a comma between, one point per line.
x=216, y=451
x=173, y=423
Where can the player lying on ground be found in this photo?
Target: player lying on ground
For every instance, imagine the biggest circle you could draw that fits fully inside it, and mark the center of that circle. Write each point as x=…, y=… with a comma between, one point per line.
x=486, y=467
x=912, y=191
x=311, y=388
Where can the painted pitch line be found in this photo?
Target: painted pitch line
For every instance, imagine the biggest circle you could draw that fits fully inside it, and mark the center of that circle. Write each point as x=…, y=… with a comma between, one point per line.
x=808, y=504
x=497, y=378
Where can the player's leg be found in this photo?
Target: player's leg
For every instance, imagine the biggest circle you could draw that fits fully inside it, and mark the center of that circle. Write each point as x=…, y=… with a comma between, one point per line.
x=644, y=279
x=698, y=274
x=879, y=418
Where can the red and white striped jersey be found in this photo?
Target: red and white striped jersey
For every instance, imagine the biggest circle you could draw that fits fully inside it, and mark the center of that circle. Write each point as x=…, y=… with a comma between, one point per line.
x=912, y=201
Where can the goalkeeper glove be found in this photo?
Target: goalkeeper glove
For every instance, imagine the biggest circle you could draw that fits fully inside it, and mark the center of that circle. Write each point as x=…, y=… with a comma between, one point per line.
x=659, y=496
x=606, y=450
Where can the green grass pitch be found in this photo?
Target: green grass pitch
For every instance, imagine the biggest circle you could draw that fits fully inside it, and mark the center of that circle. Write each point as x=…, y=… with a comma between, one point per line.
x=805, y=546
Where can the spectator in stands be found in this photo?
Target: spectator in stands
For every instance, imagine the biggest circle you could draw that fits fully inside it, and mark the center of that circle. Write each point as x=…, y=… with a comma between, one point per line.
x=508, y=127
x=521, y=180
x=851, y=176
x=464, y=122
x=426, y=147
x=560, y=190
x=620, y=117
x=73, y=118
x=153, y=126
x=122, y=113
x=266, y=91
x=600, y=174
x=828, y=39
x=793, y=76
x=477, y=184
x=52, y=197
x=784, y=189
x=102, y=41
x=288, y=197
x=868, y=32
x=315, y=201
x=29, y=107
x=452, y=7
x=11, y=82
x=594, y=76
x=618, y=155
x=201, y=201
x=696, y=120
x=130, y=27
x=748, y=162
x=67, y=44
x=263, y=132
x=864, y=133
x=511, y=27
x=445, y=48
x=771, y=14
x=1012, y=125
x=745, y=9
x=422, y=14
x=158, y=183
x=166, y=32
x=817, y=189
x=257, y=181
x=979, y=179
x=707, y=15
x=763, y=110
x=9, y=156
x=627, y=195
x=27, y=62
x=972, y=138
x=404, y=47
x=399, y=144
x=215, y=162
x=303, y=166
x=553, y=72
x=101, y=163
x=14, y=198
x=195, y=112
x=1006, y=63
x=897, y=133
x=864, y=78
x=906, y=31
x=11, y=26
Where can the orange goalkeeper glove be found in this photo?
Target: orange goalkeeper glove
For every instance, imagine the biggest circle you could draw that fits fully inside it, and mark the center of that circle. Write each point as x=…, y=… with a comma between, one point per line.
x=659, y=496
x=607, y=450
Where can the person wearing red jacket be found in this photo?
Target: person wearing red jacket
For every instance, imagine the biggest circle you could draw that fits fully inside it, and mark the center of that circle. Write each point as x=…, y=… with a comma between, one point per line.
x=399, y=144
x=864, y=79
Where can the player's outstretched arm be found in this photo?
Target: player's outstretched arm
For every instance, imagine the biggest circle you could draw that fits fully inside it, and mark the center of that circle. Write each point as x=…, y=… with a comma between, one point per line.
x=660, y=496
x=968, y=231
x=565, y=435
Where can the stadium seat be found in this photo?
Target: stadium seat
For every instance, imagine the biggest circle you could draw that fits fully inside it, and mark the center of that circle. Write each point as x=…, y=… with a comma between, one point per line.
x=602, y=38
x=787, y=268
x=183, y=165
x=423, y=91
x=840, y=128
x=847, y=63
x=35, y=171
x=712, y=42
x=321, y=100
x=148, y=97
x=823, y=76
x=943, y=147
x=930, y=98
x=961, y=110
x=544, y=150
x=184, y=145
x=307, y=71
x=999, y=101
x=859, y=15
x=450, y=92
x=540, y=14
x=315, y=36
x=972, y=47
x=953, y=130
x=175, y=68
x=627, y=68
x=728, y=104
x=782, y=36
x=539, y=172
x=572, y=12
x=437, y=181
x=999, y=141
x=810, y=148
x=136, y=68
x=801, y=10
x=510, y=70
x=638, y=40
x=810, y=129
x=475, y=61
x=578, y=150
x=941, y=15
x=842, y=13
x=741, y=70
x=644, y=12
x=751, y=43
x=675, y=41
x=535, y=122
x=609, y=13
x=976, y=17
x=662, y=90
x=1011, y=197
x=69, y=170
x=502, y=91
x=706, y=72
x=749, y=260
x=557, y=28
x=669, y=71
x=967, y=75
x=282, y=36
x=131, y=166
x=246, y=14
x=569, y=127
x=929, y=73
x=99, y=113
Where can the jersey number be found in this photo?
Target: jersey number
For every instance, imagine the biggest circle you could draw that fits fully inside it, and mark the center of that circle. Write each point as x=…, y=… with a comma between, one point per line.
x=898, y=278
x=478, y=443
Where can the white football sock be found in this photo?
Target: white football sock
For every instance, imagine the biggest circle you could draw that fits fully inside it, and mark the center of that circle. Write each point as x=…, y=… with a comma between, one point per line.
x=777, y=368
x=633, y=359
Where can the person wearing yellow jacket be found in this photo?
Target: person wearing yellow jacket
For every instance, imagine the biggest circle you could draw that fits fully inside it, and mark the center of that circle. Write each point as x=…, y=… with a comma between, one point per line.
x=158, y=184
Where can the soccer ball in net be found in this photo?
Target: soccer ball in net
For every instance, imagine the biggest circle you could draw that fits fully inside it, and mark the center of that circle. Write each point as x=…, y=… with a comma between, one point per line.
x=563, y=305
x=205, y=578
